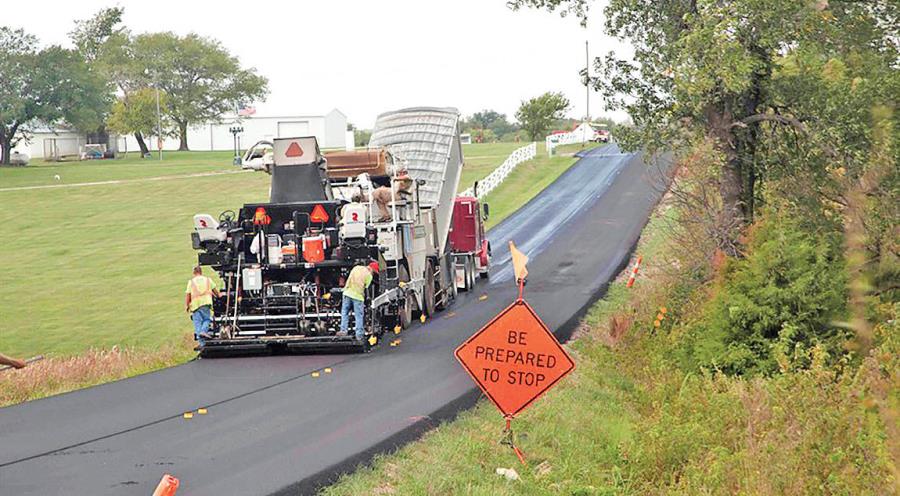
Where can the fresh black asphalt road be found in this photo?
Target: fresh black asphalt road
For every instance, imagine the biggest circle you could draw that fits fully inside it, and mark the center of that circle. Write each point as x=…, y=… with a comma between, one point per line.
x=272, y=428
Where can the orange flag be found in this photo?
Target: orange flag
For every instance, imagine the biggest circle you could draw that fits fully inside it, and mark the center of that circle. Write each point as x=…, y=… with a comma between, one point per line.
x=519, y=260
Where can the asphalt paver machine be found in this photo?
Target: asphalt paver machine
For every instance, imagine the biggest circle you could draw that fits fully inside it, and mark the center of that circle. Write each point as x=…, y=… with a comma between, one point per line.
x=283, y=263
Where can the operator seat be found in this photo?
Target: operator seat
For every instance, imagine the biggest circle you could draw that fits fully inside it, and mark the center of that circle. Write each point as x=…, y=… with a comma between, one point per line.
x=207, y=228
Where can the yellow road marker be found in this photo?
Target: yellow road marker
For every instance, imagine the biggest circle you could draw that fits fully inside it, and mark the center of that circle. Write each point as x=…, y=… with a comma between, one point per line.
x=326, y=296
x=397, y=329
x=327, y=370
x=482, y=297
x=201, y=411
x=372, y=340
x=422, y=319
x=188, y=415
x=315, y=374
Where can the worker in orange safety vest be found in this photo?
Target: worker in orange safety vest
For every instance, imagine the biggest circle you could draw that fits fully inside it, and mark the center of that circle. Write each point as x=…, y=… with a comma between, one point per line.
x=198, y=302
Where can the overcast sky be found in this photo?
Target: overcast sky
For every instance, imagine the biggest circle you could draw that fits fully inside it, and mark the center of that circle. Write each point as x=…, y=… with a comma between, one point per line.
x=365, y=57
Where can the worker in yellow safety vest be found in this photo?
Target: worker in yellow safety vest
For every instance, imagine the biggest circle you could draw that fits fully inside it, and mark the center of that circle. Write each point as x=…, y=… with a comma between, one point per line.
x=198, y=302
x=354, y=298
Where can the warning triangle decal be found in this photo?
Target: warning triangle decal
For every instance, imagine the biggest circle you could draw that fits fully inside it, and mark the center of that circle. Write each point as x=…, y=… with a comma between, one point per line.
x=294, y=151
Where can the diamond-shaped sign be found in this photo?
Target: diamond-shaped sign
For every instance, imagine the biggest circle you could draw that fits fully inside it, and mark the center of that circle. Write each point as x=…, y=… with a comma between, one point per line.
x=294, y=150
x=515, y=358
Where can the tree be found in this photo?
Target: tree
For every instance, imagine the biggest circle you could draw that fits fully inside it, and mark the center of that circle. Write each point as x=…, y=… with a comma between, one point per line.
x=488, y=120
x=135, y=113
x=737, y=71
x=91, y=37
x=31, y=89
x=538, y=114
x=202, y=80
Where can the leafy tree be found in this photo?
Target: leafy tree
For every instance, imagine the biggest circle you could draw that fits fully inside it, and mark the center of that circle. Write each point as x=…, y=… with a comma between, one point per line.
x=538, y=114
x=30, y=89
x=483, y=119
x=483, y=136
x=135, y=113
x=770, y=308
x=202, y=80
x=361, y=137
x=748, y=75
x=92, y=36
x=489, y=120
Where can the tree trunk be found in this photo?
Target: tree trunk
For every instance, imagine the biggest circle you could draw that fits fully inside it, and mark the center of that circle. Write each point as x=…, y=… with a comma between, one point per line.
x=731, y=180
x=182, y=136
x=6, y=150
x=141, y=144
x=6, y=137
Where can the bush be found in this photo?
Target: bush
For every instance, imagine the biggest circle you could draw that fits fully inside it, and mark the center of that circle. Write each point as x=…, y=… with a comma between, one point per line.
x=769, y=308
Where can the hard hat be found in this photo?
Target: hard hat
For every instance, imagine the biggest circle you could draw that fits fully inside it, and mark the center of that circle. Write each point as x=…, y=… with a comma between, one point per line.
x=374, y=267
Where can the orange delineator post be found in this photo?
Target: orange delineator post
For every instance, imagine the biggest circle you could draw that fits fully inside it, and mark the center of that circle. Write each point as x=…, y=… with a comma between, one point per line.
x=167, y=486
x=634, y=272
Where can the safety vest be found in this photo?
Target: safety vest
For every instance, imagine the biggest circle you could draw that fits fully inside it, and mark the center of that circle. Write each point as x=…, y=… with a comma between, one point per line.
x=197, y=292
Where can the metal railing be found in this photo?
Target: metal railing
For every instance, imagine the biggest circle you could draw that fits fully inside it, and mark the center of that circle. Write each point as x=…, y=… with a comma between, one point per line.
x=496, y=177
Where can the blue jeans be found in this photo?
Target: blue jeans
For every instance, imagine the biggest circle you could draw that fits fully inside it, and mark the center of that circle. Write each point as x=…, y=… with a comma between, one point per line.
x=358, y=308
x=202, y=318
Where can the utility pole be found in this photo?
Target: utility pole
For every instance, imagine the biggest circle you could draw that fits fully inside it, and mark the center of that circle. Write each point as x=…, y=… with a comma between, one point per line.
x=587, y=81
x=158, y=124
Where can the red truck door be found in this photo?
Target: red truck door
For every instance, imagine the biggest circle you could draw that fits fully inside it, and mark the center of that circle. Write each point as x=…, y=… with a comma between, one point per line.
x=467, y=231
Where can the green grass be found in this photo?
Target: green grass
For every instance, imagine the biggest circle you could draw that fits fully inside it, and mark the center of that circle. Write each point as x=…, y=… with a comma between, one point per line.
x=574, y=438
x=41, y=173
x=481, y=159
x=629, y=421
x=97, y=266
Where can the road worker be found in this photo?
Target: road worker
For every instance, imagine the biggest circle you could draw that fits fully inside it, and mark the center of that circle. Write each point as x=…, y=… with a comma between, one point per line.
x=382, y=195
x=354, y=297
x=198, y=302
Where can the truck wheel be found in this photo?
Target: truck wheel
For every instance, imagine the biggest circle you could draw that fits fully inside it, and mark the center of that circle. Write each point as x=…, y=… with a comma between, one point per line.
x=470, y=274
x=405, y=312
x=428, y=295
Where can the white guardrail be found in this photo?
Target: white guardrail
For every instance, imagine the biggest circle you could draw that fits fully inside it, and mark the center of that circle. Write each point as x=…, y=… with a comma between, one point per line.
x=496, y=177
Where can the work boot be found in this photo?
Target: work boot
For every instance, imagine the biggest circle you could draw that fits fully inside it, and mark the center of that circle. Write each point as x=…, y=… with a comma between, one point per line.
x=341, y=334
x=205, y=335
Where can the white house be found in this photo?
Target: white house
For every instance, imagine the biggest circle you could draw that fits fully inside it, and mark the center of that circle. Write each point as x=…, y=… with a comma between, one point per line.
x=329, y=129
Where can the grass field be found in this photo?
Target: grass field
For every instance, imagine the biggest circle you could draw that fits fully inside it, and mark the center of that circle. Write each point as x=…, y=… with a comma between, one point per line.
x=42, y=173
x=98, y=266
x=481, y=159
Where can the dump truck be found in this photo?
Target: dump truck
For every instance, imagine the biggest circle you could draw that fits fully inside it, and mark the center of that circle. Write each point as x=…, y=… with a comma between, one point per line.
x=284, y=262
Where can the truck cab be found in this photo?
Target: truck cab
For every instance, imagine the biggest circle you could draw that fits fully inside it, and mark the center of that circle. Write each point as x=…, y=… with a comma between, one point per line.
x=471, y=249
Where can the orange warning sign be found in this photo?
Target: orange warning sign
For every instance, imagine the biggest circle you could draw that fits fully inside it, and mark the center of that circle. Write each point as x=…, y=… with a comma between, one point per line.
x=515, y=358
x=294, y=150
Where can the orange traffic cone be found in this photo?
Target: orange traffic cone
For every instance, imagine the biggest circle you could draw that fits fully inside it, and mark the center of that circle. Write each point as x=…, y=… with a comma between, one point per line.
x=167, y=486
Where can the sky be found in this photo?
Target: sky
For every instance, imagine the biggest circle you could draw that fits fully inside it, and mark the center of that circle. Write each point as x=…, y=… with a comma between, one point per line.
x=367, y=57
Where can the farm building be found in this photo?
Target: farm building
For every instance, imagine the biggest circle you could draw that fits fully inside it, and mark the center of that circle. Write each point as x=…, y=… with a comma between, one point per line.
x=329, y=129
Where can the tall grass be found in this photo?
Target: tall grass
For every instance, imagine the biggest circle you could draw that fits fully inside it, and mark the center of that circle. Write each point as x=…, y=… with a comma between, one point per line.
x=630, y=421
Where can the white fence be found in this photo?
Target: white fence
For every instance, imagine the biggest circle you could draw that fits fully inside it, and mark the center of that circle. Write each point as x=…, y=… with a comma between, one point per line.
x=496, y=177
x=581, y=134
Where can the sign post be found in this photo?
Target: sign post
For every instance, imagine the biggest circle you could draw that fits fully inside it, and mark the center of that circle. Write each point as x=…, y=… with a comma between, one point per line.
x=515, y=358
